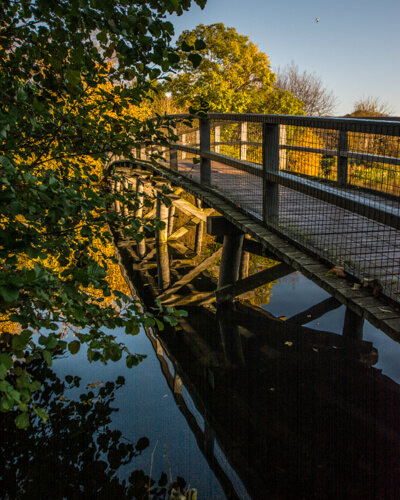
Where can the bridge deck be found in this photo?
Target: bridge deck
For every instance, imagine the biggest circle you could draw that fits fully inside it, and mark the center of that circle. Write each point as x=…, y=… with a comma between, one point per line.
x=367, y=249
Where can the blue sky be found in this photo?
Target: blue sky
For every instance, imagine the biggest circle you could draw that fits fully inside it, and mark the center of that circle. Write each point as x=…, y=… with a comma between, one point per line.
x=354, y=48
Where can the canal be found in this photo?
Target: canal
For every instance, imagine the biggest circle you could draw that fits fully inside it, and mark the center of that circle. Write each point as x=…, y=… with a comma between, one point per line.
x=234, y=403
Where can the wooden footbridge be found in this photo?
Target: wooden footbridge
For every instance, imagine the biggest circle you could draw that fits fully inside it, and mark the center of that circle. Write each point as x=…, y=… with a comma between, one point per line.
x=317, y=195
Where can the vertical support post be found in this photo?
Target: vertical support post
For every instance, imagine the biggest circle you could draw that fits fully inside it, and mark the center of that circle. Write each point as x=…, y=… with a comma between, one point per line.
x=142, y=152
x=217, y=139
x=244, y=262
x=230, y=336
x=205, y=164
x=282, y=152
x=162, y=214
x=141, y=244
x=124, y=209
x=209, y=439
x=173, y=156
x=270, y=165
x=199, y=231
x=341, y=159
x=171, y=218
x=197, y=136
x=183, y=143
x=117, y=203
x=231, y=255
x=177, y=384
x=243, y=140
x=353, y=325
x=164, y=275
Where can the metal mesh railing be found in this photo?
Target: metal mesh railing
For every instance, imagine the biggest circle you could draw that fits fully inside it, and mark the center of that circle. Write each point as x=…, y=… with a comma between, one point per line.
x=331, y=185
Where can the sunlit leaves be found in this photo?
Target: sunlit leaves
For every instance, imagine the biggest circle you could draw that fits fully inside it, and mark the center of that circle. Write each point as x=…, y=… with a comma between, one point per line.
x=229, y=72
x=75, y=82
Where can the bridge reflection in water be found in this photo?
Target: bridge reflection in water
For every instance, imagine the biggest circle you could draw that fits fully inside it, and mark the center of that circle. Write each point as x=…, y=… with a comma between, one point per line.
x=297, y=413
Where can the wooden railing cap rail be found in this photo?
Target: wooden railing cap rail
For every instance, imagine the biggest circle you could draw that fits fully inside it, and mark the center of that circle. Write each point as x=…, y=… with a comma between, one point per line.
x=375, y=125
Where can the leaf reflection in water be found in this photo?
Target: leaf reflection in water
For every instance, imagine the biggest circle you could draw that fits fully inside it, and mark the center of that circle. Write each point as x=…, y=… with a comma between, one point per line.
x=78, y=453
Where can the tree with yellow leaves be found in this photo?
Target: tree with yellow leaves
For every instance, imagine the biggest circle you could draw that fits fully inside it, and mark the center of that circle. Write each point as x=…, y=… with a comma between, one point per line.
x=64, y=110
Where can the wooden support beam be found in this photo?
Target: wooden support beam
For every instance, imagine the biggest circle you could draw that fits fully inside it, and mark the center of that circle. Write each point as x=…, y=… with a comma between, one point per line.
x=315, y=312
x=188, y=208
x=194, y=299
x=182, y=249
x=151, y=214
x=231, y=291
x=184, y=229
x=353, y=325
x=219, y=226
x=191, y=275
x=257, y=248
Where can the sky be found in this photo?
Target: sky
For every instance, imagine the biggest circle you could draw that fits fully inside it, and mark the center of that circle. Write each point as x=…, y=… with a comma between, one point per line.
x=354, y=47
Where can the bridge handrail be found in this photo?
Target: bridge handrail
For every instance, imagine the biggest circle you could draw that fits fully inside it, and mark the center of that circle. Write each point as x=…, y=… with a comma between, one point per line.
x=250, y=161
x=372, y=128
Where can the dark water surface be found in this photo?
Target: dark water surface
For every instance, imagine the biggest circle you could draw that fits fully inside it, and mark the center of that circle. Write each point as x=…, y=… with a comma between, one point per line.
x=256, y=411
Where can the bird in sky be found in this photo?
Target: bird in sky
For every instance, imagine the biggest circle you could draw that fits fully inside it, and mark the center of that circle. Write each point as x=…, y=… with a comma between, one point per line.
x=316, y=19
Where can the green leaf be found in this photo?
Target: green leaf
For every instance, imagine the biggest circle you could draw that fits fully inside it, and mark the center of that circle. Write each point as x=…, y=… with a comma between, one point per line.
x=167, y=202
x=185, y=47
x=21, y=95
x=19, y=342
x=173, y=58
x=131, y=360
x=41, y=413
x=22, y=420
x=51, y=342
x=6, y=403
x=132, y=329
x=73, y=76
x=6, y=361
x=9, y=294
x=160, y=324
x=199, y=44
x=86, y=231
x=47, y=357
x=195, y=59
x=74, y=346
x=3, y=372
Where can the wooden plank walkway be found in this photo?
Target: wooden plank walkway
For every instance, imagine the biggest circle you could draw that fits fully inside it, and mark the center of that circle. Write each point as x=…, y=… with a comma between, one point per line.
x=366, y=249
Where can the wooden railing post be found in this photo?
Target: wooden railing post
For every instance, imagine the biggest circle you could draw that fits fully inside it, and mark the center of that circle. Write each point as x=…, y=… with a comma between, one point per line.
x=282, y=152
x=183, y=142
x=173, y=156
x=205, y=164
x=270, y=164
x=217, y=139
x=243, y=140
x=342, y=160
